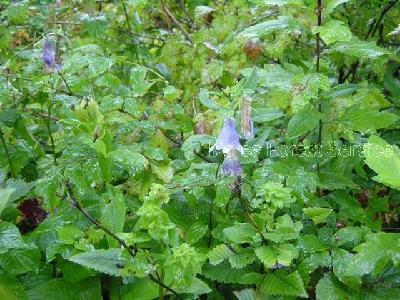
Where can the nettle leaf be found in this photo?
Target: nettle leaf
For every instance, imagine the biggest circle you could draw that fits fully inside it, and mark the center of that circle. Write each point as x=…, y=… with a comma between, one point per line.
x=105, y=261
x=384, y=159
x=219, y=254
x=265, y=27
x=334, y=31
x=10, y=237
x=379, y=247
x=226, y=274
x=196, y=232
x=241, y=260
x=263, y=115
x=60, y=289
x=285, y=229
x=317, y=214
x=281, y=283
x=359, y=49
x=329, y=289
x=240, y=233
x=366, y=119
x=277, y=255
x=301, y=123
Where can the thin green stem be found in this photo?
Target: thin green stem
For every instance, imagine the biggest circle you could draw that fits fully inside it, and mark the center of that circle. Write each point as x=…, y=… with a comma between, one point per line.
x=7, y=154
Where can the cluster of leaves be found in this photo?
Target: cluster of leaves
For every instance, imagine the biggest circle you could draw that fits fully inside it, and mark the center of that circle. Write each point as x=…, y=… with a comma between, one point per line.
x=107, y=186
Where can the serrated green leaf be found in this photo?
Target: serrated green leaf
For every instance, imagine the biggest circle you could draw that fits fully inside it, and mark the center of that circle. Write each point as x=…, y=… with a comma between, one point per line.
x=240, y=233
x=317, y=214
x=334, y=31
x=265, y=27
x=219, y=254
x=105, y=261
x=328, y=289
x=207, y=101
x=277, y=255
x=301, y=123
x=241, y=260
x=280, y=283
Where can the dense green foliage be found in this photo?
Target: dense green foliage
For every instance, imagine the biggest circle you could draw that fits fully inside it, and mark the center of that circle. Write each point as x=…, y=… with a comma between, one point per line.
x=108, y=187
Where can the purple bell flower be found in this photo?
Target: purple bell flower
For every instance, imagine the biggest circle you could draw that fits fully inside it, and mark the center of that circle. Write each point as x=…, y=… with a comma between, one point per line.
x=246, y=121
x=231, y=166
x=49, y=55
x=228, y=139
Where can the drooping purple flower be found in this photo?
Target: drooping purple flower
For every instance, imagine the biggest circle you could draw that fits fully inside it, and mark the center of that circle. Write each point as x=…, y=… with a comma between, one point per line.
x=228, y=139
x=246, y=121
x=231, y=165
x=49, y=55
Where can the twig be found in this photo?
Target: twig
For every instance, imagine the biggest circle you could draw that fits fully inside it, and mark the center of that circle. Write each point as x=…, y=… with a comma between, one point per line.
x=66, y=84
x=51, y=135
x=159, y=282
x=126, y=15
x=7, y=153
x=319, y=22
x=249, y=217
x=180, y=27
x=384, y=11
x=76, y=204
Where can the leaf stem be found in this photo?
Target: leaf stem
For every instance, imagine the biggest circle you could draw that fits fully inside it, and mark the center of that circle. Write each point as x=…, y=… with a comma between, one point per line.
x=179, y=25
x=78, y=206
x=7, y=153
x=318, y=50
x=51, y=135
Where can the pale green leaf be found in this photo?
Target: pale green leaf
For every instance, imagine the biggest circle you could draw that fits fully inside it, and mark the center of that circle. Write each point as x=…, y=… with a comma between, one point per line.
x=384, y=159
x=317, y=214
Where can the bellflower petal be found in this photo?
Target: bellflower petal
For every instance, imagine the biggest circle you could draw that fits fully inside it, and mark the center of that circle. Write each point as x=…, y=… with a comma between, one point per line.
x=228, y=139
x=49, y=55
x=231, y=166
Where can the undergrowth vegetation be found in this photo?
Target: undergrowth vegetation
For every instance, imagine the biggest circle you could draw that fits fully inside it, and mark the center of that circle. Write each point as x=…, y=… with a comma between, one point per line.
x=242, y=149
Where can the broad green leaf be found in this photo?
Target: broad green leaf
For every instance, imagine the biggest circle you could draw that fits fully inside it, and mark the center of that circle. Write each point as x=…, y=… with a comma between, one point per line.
x=5, y=198
x=317, y=214
x=301, y=123
x=241, y=260
x=21, y=260
x=10, y=237
x=378, y=247
x=384, y=159
x=226, y=274
x=285, y=229
x=105, y=261
x=272, y=75
x=113, y=213
x=359, y=49
x=196, y=232
x=219, y=254
x=265, y=27
x=247, y=294
x=11, y=288
x=98, y=65
x=366, y=119
x=140, y=289
x=60, y=289
x=280, y=283
x=274, y=256
x=240, y=233
x=328, y=289
x=334, y=31
x=134, y=162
